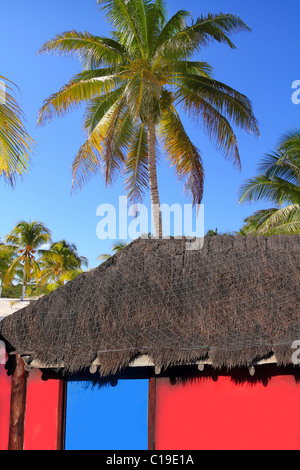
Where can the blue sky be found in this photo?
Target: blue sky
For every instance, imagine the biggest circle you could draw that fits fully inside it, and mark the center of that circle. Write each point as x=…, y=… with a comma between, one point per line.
x=264, y=66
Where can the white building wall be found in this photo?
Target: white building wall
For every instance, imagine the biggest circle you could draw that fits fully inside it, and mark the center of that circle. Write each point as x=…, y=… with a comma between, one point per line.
x=9, y=306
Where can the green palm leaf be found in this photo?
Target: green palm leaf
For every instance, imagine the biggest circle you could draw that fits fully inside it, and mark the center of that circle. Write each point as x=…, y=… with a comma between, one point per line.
x=214, y=124
x=125, y=16
x=276, y=190
x=275, y=221
x=280, y=184
x=136, y=166
x=99, y=50
x=16, y=145
x=81, y=89
x=182, y=154
x=233, y=105
x=60, y=263
x=183, y=40
x=103, y=150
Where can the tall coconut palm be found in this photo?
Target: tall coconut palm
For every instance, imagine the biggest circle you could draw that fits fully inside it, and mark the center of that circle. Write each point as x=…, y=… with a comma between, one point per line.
x=15, y=143
x=278, y=182
x=134, y=84
x=59, y=264
x=27, y=238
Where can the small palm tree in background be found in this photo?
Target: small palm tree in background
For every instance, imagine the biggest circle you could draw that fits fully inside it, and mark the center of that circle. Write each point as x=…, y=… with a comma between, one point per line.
x=7, y=255
x=212, y=233
x=59, y=264
x=15, y=143
x=116, y=249
x=27, y=239
x=134, y=84
x=278, y=182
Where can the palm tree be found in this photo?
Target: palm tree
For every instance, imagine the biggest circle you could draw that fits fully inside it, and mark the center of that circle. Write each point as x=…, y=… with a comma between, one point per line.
x=27, y=238
x=119, y=246
x=59, y=264
x=278, y=182
x=212, y=233
x=134, y=84
x=7, y=254
x=216, y=233
x=15, y=143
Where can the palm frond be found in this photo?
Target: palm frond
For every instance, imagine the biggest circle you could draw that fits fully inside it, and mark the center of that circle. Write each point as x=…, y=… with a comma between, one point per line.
x=157, y=17
x=182, y=154
x=125, y=15
x=232, y=104
x=280, y=164
x=104, y=257
x=16, y=145
x=276, y=190
x=11, y=270
x=213, y=27
x=119, y=246
x=136, y=166
x=214, y=124
x=176, y=24
x=102, y=151
x=275, y=221
x=83, y=87
x=289, y=145
x=116, y=140
x=181, y=67
x=91, y=49
x=98, y=107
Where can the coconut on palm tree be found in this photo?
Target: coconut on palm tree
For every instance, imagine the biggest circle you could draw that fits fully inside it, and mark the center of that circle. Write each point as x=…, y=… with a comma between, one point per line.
x=278, y=182
x=27, y=239
x=135, y=83
x=15, y=143
x=59, y=264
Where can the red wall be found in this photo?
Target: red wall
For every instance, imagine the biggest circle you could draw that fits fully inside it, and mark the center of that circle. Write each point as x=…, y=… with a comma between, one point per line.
x=223, y=415
x=4, y=407
x=41, y=417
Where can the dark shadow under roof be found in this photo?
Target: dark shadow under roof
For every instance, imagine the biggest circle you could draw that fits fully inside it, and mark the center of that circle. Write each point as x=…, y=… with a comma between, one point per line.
x=233, y=302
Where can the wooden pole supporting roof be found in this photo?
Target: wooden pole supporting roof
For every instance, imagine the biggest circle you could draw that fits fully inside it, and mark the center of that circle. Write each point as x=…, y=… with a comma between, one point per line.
x=18, y=405
x=151, y=413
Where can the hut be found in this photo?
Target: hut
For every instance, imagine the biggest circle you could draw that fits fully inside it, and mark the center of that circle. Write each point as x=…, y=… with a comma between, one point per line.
x=214, y=331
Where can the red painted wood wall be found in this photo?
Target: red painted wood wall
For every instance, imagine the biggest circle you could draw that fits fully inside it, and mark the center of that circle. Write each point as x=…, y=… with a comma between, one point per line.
x=41, y=418
x=5, y=382
x=200, y=414
x=42, y=411
x=222, y=415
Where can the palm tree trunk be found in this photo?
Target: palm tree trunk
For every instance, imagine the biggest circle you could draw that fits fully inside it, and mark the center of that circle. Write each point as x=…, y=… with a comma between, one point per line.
x=155, y=203
x=24, y=284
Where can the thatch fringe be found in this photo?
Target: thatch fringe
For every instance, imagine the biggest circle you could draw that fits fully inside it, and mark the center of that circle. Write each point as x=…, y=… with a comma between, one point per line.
x=233, y=302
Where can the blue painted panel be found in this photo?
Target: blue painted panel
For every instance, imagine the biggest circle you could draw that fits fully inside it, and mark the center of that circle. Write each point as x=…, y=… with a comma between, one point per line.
x=107, y=418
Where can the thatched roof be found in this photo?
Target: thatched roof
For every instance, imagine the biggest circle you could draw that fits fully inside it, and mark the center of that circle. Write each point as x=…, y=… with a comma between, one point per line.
x=233, y=302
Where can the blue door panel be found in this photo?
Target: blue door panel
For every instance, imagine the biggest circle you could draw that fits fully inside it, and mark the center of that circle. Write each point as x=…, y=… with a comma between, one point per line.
x=107, y=417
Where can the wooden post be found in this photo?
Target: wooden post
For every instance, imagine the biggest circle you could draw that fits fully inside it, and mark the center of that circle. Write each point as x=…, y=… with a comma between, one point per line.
x=61, y=421
x=17, y=405
x=151, y=413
